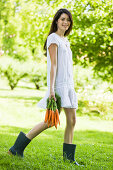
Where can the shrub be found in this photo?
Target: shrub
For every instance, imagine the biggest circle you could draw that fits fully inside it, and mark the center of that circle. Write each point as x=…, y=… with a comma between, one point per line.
x=13, y=76
x=38, y=76
x=15, y=70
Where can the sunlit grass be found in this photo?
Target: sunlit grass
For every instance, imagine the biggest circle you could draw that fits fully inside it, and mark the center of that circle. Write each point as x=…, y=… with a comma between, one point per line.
x=18, y=107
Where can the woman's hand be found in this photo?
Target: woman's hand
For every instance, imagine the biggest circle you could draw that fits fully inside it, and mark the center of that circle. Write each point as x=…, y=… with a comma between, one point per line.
x=52, y=95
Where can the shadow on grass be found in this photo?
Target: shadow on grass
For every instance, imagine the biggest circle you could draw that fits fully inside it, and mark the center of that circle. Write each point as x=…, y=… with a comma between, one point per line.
x=22, y=98
x=21, y=87
x=26, y=87
x=5, y=89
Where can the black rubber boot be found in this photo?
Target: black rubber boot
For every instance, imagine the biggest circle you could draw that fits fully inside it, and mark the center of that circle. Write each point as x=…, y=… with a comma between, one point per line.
x=69, y=153
x=21, y=142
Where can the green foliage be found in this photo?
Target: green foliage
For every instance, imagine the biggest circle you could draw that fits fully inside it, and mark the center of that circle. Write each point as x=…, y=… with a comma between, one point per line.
x=37, y=73
x=95, y=96
x=24, y=29
x=24, y=32
x=38, y=80
x=38, y=77
x=91, y=38
x=14, y=70
x=13, y=76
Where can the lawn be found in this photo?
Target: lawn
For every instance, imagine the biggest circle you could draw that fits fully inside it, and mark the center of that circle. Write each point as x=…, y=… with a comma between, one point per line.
x=19, y=112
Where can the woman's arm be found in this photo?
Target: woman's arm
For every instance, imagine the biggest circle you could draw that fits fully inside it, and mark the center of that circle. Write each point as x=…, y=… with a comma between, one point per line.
x=53, y=57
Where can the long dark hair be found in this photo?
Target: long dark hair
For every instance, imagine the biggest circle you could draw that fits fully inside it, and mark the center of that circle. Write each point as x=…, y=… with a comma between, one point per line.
x=54, y=24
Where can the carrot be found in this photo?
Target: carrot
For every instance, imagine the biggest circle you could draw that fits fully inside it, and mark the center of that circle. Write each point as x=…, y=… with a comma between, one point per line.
x=50, y=112
x=48, y=123
x=53, y=118
x=46, y=116
x=57, y=116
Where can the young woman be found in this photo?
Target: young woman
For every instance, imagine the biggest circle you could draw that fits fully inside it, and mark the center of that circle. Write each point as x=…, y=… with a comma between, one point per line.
x=59, y=80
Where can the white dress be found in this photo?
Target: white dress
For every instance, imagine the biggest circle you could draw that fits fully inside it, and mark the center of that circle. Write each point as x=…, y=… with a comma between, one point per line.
x=64, y=84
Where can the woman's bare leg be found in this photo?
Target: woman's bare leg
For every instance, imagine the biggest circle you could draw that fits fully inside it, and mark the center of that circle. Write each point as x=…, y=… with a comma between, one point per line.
x=70, y=124
x=37, y=130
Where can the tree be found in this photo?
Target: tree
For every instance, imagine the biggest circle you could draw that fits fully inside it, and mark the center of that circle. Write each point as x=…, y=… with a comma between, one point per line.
x=92, y=36
x=25, y=26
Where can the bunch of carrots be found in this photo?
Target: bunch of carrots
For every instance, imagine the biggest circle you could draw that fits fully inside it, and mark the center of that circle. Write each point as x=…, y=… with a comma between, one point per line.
x=53, y=111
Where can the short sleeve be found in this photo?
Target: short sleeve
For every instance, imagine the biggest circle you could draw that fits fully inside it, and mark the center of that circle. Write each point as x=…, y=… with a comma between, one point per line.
x=52, y=39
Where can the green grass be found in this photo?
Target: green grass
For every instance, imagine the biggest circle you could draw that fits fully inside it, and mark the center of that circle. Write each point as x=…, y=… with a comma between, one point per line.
x=45, y=151
x=18, y=112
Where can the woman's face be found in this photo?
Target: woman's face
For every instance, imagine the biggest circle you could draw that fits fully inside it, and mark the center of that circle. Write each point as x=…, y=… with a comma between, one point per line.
x=63, y=22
